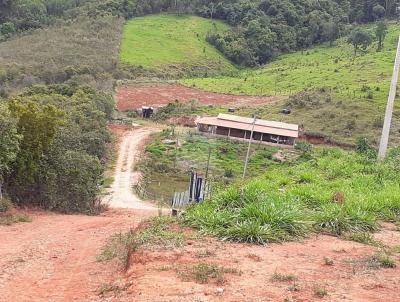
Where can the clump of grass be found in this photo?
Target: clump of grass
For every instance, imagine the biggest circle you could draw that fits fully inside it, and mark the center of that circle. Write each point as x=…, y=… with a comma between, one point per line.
x=157, y=232
x=204, y=272
x=204, y=253
x=365, y=238
x=106, y=288
x=380, y=260
x=154, y=232
x=11, y=219
x=119, y=246
x=283, y=277
x=320, y=292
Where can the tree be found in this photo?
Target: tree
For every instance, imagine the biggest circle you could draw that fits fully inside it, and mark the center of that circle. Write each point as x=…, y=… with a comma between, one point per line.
x=330, y=31
x=9, y=143
x=37, y=124
x=359, y=39
x=378, y=11
x=380, y=33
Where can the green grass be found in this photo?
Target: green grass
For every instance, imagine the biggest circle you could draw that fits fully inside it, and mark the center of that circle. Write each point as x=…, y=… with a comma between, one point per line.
x=290, y=201
x=164, y=40
x=321, y=66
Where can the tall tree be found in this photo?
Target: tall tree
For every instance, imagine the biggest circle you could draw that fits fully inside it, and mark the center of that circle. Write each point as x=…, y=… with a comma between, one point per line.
x=380, y=33
x=359, y=39
x=9, y=143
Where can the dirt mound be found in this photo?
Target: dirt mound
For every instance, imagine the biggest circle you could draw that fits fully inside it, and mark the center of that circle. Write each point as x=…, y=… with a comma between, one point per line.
x=131, y=97
x=188, y=121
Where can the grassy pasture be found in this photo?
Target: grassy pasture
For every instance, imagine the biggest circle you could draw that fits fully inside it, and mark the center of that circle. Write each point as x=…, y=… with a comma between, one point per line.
x=163, y=40
x=321, y=66
x=288, y=202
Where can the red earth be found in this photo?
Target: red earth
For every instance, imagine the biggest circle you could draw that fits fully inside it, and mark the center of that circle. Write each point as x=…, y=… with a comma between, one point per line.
x=130, y=97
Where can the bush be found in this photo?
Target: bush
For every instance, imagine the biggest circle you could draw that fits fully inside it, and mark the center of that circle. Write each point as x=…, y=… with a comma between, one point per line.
x=5, y=205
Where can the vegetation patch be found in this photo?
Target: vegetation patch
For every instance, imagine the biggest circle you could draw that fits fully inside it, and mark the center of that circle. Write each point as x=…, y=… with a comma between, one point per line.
x=280, y=277
x=281, y=206
x=14, y=218
x=206, y=272
x=158, y=232
x=164, y=40
x=320, y=292
x=380, y=260
x=173, y=153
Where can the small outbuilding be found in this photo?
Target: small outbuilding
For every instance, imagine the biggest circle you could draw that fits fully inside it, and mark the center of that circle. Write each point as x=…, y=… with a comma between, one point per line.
x=237, y=127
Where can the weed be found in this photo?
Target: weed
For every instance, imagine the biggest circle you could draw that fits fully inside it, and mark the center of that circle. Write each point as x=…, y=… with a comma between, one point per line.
x=328, y=261
x=119, y=246
x=380, y=260
x=115, y=288
x=320, y=292
x=365, y=238
x=283, y=277
x=254, y=257
x=11, y=219
x=204, y=253
x=106, y=288
x=203, y=272
x=294, y=287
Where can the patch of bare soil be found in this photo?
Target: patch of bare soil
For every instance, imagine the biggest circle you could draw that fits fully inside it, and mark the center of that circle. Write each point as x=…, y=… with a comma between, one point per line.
x=54, y=257
x=325, y=268
x=131, y=97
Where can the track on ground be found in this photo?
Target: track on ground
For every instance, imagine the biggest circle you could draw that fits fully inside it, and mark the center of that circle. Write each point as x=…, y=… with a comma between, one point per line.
x=130, y=97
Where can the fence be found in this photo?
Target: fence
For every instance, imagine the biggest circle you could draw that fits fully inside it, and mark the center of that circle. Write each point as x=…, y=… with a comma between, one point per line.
x=198, y=189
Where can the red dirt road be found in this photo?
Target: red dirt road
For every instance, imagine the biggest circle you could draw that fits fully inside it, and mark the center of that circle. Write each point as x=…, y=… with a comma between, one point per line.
x=131, y=97
x=154, y=277
x=53, y=258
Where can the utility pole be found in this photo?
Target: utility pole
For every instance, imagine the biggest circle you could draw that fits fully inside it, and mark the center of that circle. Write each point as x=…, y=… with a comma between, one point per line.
x=389, y=107
x=248, y=148
x=207, y=168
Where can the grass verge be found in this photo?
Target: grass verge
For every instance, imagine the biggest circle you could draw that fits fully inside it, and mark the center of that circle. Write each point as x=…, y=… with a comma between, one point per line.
x=290, y=201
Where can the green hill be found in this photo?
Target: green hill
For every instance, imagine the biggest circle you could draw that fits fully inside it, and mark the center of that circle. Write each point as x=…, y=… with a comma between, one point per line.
x=159, y=41
x=349, y=93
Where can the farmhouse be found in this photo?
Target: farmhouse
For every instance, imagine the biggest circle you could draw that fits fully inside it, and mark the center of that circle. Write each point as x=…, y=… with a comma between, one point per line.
x=232, y=126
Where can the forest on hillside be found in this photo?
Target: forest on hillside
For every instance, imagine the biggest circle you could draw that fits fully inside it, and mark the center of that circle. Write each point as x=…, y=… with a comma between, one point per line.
x=261, y=29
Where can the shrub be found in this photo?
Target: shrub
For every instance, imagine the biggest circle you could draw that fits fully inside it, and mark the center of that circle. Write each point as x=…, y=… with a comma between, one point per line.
x=5, y=205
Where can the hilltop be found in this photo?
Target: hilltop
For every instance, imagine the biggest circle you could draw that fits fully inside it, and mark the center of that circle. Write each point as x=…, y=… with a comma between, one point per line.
x=173, y=42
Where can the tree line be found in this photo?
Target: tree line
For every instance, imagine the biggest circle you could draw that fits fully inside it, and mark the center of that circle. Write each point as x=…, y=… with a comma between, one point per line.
x=261, y=29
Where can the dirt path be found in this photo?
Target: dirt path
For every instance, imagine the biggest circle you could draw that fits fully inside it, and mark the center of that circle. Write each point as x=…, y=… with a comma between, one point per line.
x=135, y=96
x=125, y=178
x=53, y=258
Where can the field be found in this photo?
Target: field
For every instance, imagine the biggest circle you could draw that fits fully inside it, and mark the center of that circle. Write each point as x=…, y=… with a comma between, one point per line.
x=322, y=66
x=130, y=97
x=171, y=40
x=332, y=92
